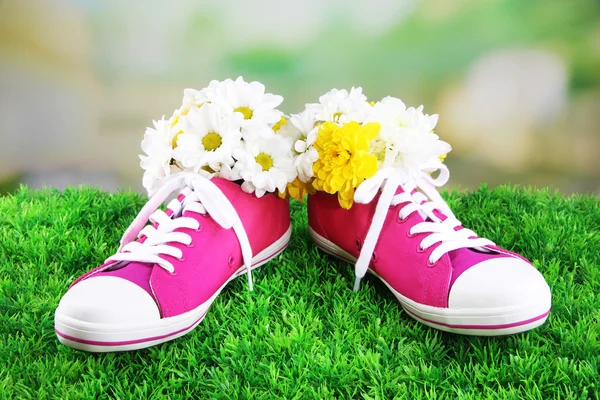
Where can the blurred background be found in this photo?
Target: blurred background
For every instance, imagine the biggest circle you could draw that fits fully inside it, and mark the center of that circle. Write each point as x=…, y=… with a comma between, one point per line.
x=516, y=82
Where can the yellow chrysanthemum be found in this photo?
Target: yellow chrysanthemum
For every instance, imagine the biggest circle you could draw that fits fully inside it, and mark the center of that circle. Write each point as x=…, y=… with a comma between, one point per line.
x=344, y=161
x=297, y=190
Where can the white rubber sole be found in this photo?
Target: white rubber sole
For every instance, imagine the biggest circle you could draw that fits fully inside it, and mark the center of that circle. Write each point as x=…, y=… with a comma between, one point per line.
x=98, y=338
x=467, y=321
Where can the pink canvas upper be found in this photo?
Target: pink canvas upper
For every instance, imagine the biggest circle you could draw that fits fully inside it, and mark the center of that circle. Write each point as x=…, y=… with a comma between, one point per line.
x=397, y=257
x=212, y=258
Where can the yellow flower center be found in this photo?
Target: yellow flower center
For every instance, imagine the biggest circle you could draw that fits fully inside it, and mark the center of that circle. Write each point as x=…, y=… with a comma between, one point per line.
x=181, y=113
x=279, y=124
x=246, y=111
x=265, y=161
x=211, y=141
x=337, y=116
x=174, y=141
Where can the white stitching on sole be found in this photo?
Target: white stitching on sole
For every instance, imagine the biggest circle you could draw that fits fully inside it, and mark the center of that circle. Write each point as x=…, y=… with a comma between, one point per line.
x=184, y=322
x=440, y=318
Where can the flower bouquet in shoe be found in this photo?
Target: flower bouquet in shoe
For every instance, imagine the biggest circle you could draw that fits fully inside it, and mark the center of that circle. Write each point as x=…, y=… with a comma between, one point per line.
x=220, y=154
x=375, y=204
x=226, y=130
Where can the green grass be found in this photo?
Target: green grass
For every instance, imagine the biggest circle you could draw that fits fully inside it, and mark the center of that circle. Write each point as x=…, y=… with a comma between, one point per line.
x=302, y=333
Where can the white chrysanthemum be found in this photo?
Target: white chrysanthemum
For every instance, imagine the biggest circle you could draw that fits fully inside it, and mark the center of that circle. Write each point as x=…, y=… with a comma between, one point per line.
x=409, y=149
x=265, y=164
x=208, y=139
x=157, y=144
x=406, y=139
x=392, y=112
x=289, y=130
x=229, y=173
x=301, y=129
x=304, y=122
x=248, y=101
x=192, y=98
x=340, y=106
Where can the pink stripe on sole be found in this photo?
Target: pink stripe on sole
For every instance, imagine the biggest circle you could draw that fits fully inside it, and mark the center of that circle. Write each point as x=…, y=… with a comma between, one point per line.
x=341, y=257
x=154, y=338
x=126, y=342
x=501, y=326
x=269, y=258
x=455, y=326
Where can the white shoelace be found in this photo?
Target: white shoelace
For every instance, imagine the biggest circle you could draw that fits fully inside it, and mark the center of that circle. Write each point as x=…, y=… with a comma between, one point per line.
x=438, y=231
x=202, y=196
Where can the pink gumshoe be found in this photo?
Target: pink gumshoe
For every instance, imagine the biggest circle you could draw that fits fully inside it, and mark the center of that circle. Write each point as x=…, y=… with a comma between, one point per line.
x=442, y=274
x=160, y=286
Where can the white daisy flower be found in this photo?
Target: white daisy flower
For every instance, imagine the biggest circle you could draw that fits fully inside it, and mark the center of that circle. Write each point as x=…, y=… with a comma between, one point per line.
x=409, y=149
x=303, y=133
x=208, y=139
x=229, y=173
x=340, y=106
x=296, y=125
x=157, y=144
x=406, y=139
x=392, y=112
x=248, y=101
x=283, y=121
x=265, y=164
x=192, y=98
x=304, y=164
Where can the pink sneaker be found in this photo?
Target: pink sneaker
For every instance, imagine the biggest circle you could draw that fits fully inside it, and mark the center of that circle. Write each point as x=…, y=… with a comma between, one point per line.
x=160, y=286
x=444, y=275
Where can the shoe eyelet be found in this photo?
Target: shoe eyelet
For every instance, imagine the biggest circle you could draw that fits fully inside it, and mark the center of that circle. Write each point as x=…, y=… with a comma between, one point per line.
x=374, y=257
x=198, y=229
x=231, y=261
x=400, y=220
x=358, y=244
x=430, y=264
x=420, y=249
x=173, y=273
x=192, y=244
x=411, y=235
x=182, y=258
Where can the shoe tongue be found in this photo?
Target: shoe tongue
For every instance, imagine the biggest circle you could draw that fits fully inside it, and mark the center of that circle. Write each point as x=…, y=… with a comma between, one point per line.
x=139, y=273
x=228, y=188
x=136, y=272
x=442, y=217
x=436, y=212
x=183, y=212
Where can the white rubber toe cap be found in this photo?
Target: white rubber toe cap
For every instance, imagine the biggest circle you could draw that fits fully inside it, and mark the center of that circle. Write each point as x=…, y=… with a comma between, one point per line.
x=108, y=300
x=500, y=282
